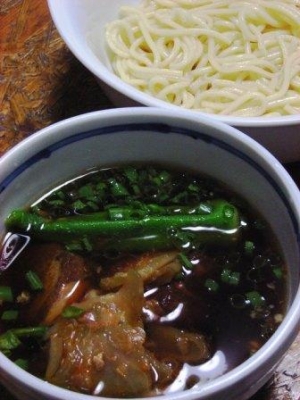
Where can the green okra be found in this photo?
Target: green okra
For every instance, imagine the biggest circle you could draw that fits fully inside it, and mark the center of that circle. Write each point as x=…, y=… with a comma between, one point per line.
x=211, y=219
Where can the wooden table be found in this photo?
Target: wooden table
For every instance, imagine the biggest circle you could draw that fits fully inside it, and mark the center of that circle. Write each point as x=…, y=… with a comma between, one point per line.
x=41, y=83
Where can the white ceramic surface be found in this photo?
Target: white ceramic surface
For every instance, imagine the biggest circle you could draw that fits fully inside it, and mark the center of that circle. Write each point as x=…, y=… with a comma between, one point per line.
x=81, y=24
x=103, y=138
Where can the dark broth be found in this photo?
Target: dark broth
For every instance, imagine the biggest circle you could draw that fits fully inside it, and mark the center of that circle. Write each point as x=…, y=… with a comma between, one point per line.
x=234, y=294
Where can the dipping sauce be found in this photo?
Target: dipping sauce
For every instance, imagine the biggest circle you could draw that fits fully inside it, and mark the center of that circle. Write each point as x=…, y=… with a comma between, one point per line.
x=138, y=280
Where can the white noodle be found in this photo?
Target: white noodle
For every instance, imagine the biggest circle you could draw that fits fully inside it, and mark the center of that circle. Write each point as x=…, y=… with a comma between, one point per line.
x=224, y=57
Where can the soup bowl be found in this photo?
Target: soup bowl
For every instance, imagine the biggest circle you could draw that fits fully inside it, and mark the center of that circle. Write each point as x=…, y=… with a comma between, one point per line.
x=82, y=25
x=149, y=135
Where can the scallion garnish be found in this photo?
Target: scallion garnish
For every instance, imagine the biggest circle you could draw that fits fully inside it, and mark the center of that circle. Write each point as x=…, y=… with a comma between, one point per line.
x=22, y=363
x=9, y=315
x=9, y=341
x=74, y=246
x=34, y=280
x=255, y=299
x=72, y=312
x=230, y=277
x=86, y=191
x=79, y=205
x=164, y=176
x=249, y=247
x=6, y=293
x=186, y=262
x=117, y=188
x=30, y=331
x=87, y=244
x=56, y=203
x=131, y=174
x=277, y=272
x=211, y=285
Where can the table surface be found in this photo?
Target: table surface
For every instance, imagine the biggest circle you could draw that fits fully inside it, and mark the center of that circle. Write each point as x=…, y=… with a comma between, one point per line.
x=41, y=82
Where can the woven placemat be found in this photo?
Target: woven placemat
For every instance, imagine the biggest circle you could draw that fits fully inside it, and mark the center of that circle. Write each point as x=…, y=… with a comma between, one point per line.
x=41, y=82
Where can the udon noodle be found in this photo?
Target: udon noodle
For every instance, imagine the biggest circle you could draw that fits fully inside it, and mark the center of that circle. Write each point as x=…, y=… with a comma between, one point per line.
x=222, y=57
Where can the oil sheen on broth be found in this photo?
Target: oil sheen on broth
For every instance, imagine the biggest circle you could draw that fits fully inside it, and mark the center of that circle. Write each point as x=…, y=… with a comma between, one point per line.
x=138, y=280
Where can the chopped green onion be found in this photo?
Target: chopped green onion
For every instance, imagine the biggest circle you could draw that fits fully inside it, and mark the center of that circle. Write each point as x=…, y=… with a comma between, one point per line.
x=74, y=246
x=179, y=197
x=93, y=206
x=117, y=188
x=9, y=315
x=277, y=272
x=30, y=331
x=180, y=238
x=87, y=244
x=56, y=202
x=255, y=298
x=249, y=247
x=164, y=176
x=230, y=277
x=86, y=191
x=131, y=174
x=192, y=187
x=225, y=275
x=211, y=285
x=60, y=194
x=22, y=363
x=72, y=312
x=6, y=293
x=136, y=189
x=185, y=261
x=79, y=205
x=235, y=278
x=157, y=181
x=100, y=188
x=34, y=280
x=9, y=340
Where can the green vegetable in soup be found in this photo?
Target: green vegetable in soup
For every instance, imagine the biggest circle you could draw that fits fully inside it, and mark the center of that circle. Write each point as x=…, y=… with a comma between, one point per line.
x=212, y=220
x=173, y=268
x=11, y=338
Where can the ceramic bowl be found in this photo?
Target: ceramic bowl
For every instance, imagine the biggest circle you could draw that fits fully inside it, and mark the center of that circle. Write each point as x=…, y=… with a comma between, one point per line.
x=81, y=24
x=144, y=134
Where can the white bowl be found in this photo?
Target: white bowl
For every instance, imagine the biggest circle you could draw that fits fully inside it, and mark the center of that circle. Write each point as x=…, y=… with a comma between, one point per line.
x=103, y=138
x=81, y=23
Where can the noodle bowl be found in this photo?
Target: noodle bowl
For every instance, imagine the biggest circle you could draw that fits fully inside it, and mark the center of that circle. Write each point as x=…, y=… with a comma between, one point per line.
x=237, y=58
x=83, y=25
